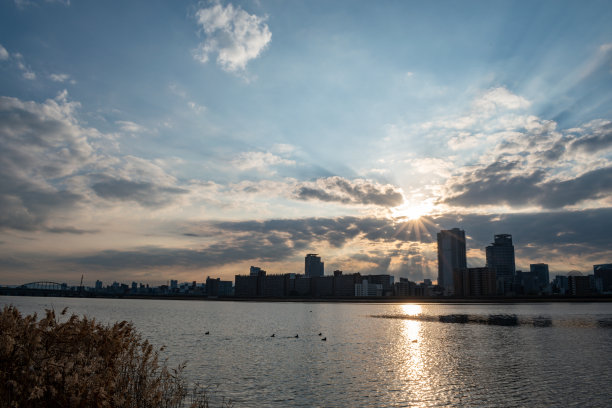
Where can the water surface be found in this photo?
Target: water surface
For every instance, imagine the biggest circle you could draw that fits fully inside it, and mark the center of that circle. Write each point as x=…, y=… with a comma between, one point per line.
x=486, y=355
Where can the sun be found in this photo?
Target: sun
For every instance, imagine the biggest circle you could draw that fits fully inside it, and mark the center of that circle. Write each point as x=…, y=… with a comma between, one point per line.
x=412, y=210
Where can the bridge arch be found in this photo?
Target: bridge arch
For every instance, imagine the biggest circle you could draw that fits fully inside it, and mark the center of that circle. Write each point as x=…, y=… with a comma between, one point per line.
x=44, y=285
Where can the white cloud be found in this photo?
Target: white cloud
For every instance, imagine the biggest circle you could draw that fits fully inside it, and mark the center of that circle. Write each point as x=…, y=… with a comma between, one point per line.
x=196, y=108
x=260, y=161
x=4, y=55
x=177, y=90
x=235, y=35
x=432, y=165
x=130, y=127
x=500, y=98
x=26, y=71
x=605, y=47
x=283, y=148
x=61, y=78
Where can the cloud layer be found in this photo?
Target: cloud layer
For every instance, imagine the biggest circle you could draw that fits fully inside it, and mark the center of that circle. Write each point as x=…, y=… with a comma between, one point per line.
x=358, y=191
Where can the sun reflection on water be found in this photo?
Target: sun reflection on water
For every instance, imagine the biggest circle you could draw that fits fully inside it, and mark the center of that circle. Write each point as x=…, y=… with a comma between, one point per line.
x=412, y=373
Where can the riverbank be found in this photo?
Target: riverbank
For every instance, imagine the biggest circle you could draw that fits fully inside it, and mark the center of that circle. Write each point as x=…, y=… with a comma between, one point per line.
x=373, y=299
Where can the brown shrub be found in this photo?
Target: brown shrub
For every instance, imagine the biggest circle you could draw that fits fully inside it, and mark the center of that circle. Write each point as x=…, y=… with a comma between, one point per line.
x=82, y=363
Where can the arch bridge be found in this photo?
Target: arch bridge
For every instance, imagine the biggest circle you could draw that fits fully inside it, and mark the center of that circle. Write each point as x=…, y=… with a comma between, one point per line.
x=43, y=285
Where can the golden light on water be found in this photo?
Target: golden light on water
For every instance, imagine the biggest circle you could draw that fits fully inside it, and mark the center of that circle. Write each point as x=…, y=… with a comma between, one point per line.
x=412, y=371
x=411, y=329
x=411, y=310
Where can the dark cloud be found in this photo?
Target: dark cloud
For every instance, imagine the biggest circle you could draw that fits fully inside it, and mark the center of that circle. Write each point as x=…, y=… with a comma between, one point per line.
x=341, y=190
x=335, y=231
x=599, y=139
x=555, y=152
x=70, y=230
x=28, y=210
x=144, y=193
x=497, y=184
x=39, y=146
x=551, y=237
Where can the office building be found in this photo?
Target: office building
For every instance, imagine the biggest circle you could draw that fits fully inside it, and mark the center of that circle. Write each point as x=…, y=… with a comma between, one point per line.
x=255, y=271
x=581, y=285
x=344, y=285
x=541, y=271
x=313, y=266
x=365, y=288
x=500, y=259
x=603, y=272
x=451, y=255
x=475, y=282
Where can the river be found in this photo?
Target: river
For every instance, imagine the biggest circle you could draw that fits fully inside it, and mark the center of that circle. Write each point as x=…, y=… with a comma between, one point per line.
x=375, y=355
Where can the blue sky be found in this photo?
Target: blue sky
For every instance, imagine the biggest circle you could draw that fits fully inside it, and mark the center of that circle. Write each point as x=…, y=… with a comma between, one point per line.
x=151, y=141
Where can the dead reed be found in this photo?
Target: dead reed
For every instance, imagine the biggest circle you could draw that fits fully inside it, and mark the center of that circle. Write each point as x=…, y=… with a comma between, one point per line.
x=82, y=363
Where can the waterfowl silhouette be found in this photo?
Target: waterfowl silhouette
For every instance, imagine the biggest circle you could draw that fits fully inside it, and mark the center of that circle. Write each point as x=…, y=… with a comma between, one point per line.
x=296, y=336
x=272, y=335
x=324, y=339
x=207, y=333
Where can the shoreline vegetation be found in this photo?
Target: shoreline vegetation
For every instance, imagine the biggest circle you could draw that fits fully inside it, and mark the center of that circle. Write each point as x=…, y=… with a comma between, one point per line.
x=59, y=361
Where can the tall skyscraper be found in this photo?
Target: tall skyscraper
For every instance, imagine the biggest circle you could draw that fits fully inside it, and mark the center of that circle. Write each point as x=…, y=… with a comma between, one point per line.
x=500, y=258
x=313, y=265
x=451, y=256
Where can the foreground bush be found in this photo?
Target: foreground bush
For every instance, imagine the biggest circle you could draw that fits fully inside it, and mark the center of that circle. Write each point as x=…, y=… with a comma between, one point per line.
x=82, y=363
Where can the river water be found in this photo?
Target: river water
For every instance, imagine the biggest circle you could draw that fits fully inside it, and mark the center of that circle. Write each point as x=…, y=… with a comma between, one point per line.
x=375, y=355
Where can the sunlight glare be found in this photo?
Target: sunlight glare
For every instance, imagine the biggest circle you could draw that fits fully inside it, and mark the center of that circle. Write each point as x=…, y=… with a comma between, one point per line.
x=411, y=310
x=412, y=210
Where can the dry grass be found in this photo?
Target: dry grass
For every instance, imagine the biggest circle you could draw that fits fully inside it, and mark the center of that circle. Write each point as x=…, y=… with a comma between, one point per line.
x=82, y=363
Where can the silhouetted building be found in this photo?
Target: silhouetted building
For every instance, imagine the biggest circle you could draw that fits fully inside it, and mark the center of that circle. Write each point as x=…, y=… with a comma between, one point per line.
x=254, y=271
x=301, y=285
x=475, y=282
x=560, y=285
x=500, y=258
x=249, y=285
x=344, y=285
x=451, y=255
x=365, y=288
x=541, y=270
x=603, y=272
x=385, y=280
x=322, y=286
x=217, y=287
x=313, y=265
x=534, y=282
x=275, y=285
x=581, y=285
x=405, y=288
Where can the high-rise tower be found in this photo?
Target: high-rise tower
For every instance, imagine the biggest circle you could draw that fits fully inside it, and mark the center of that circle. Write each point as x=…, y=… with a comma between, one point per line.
x=500, y=258
x=313, y=265
x=451, y=255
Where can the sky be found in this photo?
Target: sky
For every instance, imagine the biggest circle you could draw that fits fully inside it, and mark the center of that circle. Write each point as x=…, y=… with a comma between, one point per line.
x=155, y=140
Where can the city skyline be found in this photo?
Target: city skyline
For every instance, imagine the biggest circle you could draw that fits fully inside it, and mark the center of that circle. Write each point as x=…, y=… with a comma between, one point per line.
x=178, y=140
